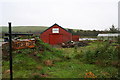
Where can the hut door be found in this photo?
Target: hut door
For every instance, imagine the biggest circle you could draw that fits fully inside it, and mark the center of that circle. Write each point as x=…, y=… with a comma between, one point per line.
x=55, y=39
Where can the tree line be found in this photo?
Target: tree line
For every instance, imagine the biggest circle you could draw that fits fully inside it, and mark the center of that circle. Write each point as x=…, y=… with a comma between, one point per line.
x=93, y=33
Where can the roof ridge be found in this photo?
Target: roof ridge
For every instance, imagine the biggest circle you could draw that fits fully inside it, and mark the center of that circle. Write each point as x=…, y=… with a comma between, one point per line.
x=57, y=25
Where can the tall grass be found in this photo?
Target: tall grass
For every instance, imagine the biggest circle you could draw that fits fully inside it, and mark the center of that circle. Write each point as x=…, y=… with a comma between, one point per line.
x=48, y=52
x=103, y=54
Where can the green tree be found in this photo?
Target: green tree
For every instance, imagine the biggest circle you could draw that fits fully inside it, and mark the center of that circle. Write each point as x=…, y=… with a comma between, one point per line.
x=113, y=29
x=71, y=31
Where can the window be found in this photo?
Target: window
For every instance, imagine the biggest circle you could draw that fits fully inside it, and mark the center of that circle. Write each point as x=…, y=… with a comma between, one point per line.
x=55, y=30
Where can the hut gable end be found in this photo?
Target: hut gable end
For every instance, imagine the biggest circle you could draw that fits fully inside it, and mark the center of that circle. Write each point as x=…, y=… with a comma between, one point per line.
x=55, y=26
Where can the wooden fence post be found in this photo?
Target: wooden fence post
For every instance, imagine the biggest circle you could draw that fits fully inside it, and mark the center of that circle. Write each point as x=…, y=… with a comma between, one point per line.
x=10, y=50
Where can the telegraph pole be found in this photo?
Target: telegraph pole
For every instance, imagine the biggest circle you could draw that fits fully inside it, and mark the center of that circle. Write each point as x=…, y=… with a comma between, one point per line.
x=10, y=50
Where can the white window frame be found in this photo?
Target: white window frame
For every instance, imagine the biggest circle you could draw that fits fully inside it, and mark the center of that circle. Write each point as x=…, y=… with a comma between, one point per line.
x=55, y=30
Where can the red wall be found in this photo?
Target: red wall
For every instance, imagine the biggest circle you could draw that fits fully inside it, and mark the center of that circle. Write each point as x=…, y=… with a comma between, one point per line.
x=75, y=37
x=57, y=38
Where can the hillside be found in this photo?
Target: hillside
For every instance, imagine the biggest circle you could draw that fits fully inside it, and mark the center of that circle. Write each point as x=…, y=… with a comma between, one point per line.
x=25, y=28
x=37, y=29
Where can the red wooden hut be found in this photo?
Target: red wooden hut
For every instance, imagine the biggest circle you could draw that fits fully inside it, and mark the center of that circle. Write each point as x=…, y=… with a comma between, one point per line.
x=56, y=35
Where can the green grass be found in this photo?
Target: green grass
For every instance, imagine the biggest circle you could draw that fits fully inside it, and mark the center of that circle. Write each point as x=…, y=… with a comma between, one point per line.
x=76, y=69
x=67, y=63
x=23, y=66
x=25, y=28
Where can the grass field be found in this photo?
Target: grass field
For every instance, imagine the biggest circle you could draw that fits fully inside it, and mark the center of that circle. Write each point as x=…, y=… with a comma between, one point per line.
x=25, y=28
x=57, y=63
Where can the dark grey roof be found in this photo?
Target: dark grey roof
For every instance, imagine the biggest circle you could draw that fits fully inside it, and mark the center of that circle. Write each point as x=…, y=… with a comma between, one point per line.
x=57, y=25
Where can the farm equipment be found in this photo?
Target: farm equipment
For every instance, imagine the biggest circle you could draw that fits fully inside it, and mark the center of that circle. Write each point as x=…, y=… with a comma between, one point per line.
x=68, y=44
x=71, y=44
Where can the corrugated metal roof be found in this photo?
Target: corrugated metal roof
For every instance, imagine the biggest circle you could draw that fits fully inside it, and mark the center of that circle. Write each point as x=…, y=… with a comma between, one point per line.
x=102, y=35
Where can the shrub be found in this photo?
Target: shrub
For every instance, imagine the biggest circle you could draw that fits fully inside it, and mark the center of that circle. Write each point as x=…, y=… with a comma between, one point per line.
x=49, y=53
x=103, y=54
x=90, y=56
x=40, y=45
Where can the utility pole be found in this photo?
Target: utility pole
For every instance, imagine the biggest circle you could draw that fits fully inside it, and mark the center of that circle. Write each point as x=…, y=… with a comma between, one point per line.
x=10, y=50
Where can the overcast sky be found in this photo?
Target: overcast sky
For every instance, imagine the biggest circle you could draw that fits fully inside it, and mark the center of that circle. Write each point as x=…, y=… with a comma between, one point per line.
x=79, y=14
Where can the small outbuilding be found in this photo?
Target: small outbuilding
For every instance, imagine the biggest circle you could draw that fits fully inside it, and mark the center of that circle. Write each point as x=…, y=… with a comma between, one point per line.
x=56, y=35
